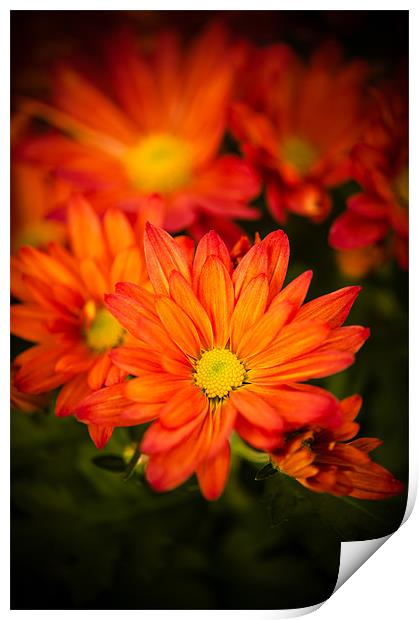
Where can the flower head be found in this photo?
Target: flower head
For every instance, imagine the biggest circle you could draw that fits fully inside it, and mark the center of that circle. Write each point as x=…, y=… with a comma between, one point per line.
x=62, y=308
x=297, y=122
x=326, y=461
x=156, y=132
x=220, y=348
x=380, y=166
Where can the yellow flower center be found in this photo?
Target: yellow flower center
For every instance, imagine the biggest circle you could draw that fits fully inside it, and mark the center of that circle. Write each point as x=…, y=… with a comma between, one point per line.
x=218, y=372
x=104, y=332
x=298, y=153
x=159, y=163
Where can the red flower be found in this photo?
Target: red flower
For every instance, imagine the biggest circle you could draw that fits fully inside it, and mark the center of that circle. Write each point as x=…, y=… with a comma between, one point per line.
x=219, y=348
x=326, y=461
x=380, y=166
x=297, y=122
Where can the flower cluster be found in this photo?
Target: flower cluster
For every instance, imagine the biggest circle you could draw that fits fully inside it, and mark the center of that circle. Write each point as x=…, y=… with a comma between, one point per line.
x=197, y=336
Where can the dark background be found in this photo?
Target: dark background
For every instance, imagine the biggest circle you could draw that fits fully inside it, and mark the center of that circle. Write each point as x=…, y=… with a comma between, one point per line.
x=82, y=537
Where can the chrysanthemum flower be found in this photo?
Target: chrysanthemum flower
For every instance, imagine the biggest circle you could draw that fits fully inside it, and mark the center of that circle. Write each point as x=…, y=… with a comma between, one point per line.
x=380, y=166
x=297, y=122
x=35, y=197
x=326, y=461
x=222, y=349
x=63, y=311
x=157, y=130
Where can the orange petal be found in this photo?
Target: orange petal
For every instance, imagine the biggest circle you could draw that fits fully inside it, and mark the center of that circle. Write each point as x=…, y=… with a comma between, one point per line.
x=71, y=395
x=182, y=293
x=85, y=230
x=210, y=244
x=103, y=405
x=37, y=369
x=118, y=231
x=278, y=249
x=100, y=434
x=94, y=279
x=185, y=405
x=256, y=410
x=128, y=266
x=259, y=438
x=332, y=308
x=312, y=366
x=158, y=438
x=294, y=340
x=249, y=308
x=29, y=322
x=212, y=473
x=350, y=338
x=99, y=371
x=153, y=388
x=295, y=292
x=179, y=326
x=251, y=265
x=215, y=292
x=163, y=255
x=134, y=359
x=264, y=330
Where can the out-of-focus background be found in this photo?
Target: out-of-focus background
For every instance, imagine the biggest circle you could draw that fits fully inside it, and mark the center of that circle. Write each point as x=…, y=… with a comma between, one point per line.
x=82, y=537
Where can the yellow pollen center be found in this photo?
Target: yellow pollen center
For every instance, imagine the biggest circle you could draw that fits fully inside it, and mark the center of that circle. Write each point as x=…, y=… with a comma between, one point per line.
x=159, y=163
x=298, y=153
x=218, y=372
x=104, y=332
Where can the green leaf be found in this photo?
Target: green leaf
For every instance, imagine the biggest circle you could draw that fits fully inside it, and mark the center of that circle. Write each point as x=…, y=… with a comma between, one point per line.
x=267, y=471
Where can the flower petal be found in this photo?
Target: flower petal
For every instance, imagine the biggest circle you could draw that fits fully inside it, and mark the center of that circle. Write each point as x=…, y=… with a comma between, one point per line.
x=179, y=326
x=332, y=308
x=215, y=292
x=212, y=473
x=249, y=308
x=163, y=255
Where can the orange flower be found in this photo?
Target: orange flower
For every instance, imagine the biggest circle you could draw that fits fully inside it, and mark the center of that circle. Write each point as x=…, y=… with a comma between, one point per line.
x=35, y=197
x=221, y=349
x=157, y=131
x=380, y=165
x=297, y=122
x=326, y=462
x=63, y=311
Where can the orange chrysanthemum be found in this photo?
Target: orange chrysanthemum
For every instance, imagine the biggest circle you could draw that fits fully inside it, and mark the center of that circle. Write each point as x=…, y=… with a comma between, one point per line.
x=156, y=132
x=297, y=122
x=327, y=462
x=63, y=311
x=380, y=166
x=221, y=348
x=36, y=197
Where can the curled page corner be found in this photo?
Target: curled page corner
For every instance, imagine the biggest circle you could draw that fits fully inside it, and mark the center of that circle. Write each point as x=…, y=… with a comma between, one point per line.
x=354, y=554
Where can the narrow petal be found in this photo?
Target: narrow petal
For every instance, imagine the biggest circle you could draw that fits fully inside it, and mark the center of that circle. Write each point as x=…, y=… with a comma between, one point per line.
x=100, y=434
x=100, y=406
x=249, y=308
x=85, y=230
x=251, y=265
x=332, y=308
x=179, y=326
x=256, y=410
x=210, y=244
x=118, y=231
x=264, y=330
x=213, y=473
x=259, y=438
x=278, y=249
x=72, y=395
x=158, y=438
x=163, y=255
x=351, y=230
x=128, y=266
x=215, y=292
x=185, y=405
x=312, y=366
x=294, y=340
x=295, y=292
x=182, y=293
x=153, y=388
x=99, y=371
x=350, y=338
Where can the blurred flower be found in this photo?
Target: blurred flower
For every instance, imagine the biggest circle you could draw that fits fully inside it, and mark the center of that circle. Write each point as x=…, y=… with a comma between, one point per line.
x=222, y=348
x=63, y=311
x=357, y=263
x=27, y=403
x=297, y=122
x=157, y=132
x=326, y=461
x=380, y=166
x=36, y=197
